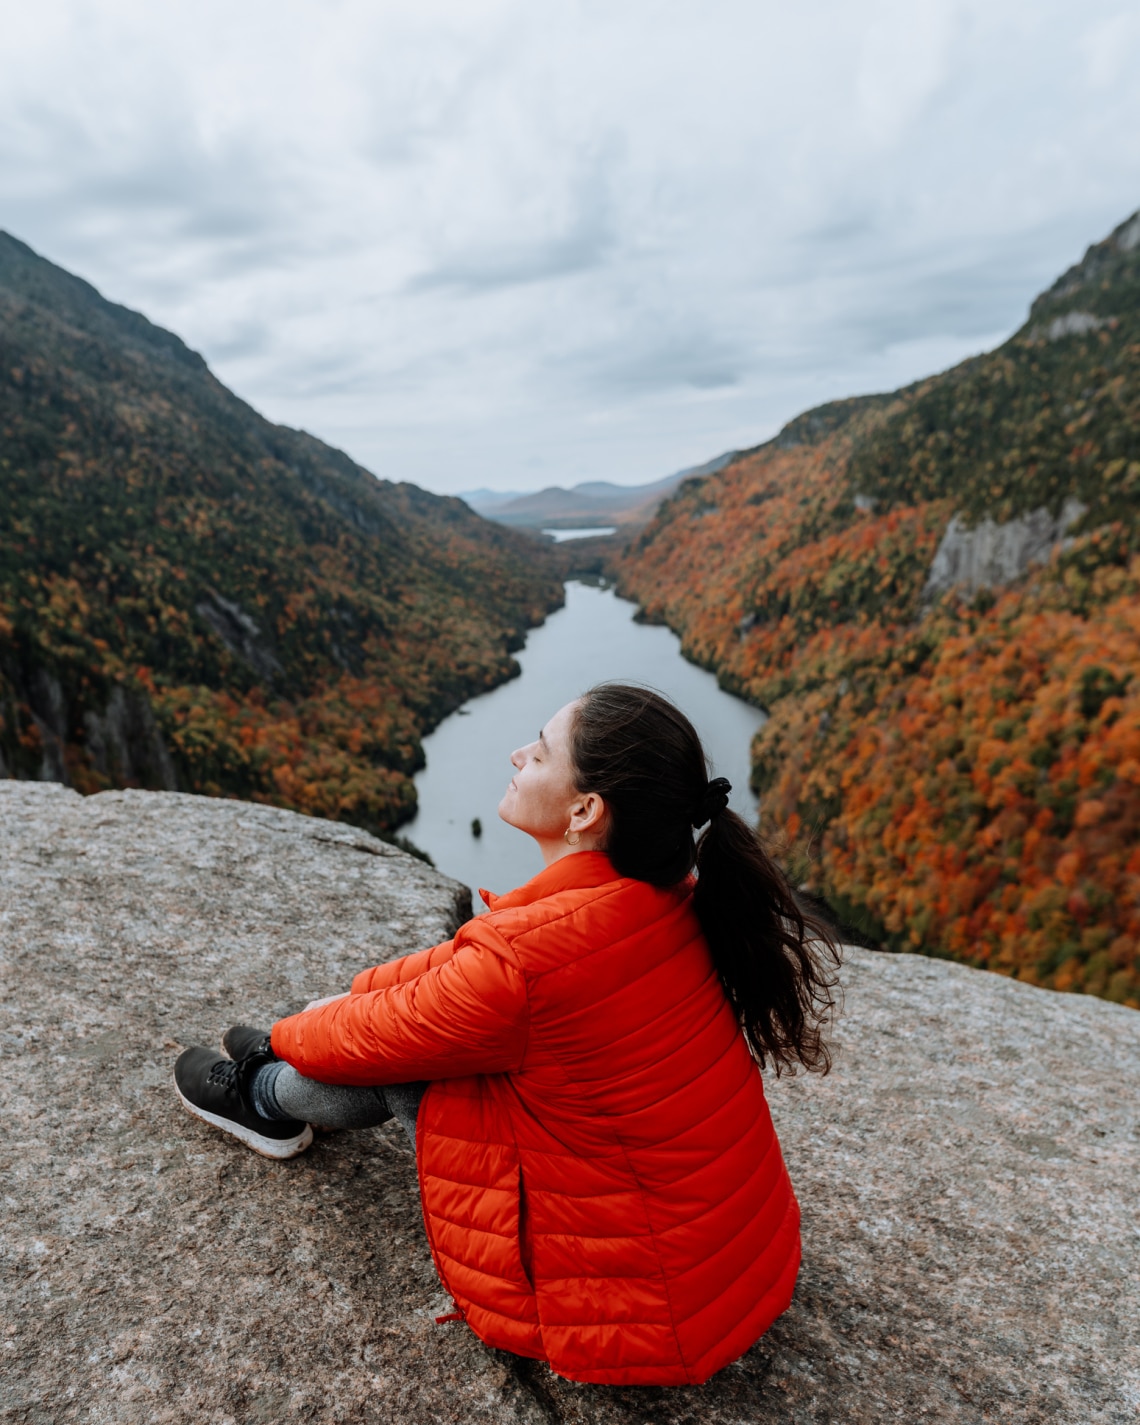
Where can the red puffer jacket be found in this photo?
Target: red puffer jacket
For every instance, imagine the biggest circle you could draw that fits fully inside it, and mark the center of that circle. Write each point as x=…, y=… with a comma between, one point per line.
x=601, y=1181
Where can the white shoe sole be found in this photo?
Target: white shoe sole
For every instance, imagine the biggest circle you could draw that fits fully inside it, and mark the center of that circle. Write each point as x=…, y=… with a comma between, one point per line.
x=268, y=1147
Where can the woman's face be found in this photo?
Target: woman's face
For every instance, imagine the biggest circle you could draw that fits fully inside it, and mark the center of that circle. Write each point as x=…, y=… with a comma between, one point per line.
x=542, y=799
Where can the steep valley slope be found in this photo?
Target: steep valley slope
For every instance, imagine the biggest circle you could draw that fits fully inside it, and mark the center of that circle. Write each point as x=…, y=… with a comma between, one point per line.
x=936, y=595
x=194, y=598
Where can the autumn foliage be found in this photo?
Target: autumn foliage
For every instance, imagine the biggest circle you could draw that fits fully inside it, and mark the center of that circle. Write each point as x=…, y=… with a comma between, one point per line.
x=192, y=597
x=956, y=775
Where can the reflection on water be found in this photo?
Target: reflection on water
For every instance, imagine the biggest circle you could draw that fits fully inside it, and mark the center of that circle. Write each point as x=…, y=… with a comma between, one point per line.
x=560, y=536
x=592, y=639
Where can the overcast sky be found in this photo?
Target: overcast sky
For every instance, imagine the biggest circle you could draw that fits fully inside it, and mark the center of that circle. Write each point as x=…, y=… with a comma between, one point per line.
x=520, y=244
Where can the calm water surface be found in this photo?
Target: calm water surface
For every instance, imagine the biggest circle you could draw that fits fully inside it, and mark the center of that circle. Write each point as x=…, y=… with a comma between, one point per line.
x=560, y=536
x=592, y=639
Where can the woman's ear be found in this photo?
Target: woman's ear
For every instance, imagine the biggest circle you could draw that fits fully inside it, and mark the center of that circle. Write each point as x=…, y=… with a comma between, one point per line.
x=588, y=815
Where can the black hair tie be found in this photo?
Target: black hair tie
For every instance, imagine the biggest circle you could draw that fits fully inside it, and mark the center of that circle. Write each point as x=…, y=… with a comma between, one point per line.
x=713, y=802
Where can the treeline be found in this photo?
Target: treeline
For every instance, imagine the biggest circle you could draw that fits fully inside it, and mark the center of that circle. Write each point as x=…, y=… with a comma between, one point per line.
x=192, y=597
x=956, y=772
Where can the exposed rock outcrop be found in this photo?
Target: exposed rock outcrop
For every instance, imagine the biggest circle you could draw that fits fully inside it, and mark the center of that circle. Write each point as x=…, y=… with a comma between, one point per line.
x=1072, y=324
x=992, y=554
x=123, y=739
x=968, y=1173
x=239, y=633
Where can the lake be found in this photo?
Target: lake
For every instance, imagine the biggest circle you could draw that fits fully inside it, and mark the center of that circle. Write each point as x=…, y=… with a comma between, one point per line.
x=560, y=536
x=592, y=639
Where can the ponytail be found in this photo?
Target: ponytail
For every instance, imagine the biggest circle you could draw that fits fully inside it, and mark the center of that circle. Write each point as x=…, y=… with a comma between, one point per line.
x=777, y=963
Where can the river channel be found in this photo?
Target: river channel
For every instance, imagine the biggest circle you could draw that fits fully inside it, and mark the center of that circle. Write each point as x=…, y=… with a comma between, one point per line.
x=591, y=639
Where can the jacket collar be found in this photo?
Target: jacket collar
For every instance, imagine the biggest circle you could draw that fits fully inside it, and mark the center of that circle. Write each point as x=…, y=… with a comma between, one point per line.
x=575, y=872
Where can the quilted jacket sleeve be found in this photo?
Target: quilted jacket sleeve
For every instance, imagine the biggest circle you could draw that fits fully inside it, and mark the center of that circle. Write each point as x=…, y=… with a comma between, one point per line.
x=467, y=1014
x=407, y=967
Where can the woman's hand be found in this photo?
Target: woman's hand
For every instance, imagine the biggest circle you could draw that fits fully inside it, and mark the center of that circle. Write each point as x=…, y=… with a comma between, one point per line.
x=328, y=999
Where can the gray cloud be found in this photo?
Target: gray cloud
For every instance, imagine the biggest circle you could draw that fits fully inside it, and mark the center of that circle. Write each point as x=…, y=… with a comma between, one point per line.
x=485, y=242
x=660, y=352
x=581, y=239
x=517, y=265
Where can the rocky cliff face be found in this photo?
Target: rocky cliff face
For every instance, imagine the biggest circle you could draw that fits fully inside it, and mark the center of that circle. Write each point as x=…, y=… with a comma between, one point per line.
x=992, y=554
x=967, y=1173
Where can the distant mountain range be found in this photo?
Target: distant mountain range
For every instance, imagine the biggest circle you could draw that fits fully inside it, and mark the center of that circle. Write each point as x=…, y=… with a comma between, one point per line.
x=936, y=595
x=590, y=504
x=195, y=598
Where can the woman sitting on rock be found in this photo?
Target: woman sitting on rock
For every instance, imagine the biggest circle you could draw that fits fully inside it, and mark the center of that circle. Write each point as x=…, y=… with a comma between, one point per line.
x=601, y=1182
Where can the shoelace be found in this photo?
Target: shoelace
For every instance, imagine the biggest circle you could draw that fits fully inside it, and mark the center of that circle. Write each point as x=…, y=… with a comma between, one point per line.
x=224, y=1072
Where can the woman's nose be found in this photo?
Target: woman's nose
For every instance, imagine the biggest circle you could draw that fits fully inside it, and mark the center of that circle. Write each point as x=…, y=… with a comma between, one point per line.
x=517, y=759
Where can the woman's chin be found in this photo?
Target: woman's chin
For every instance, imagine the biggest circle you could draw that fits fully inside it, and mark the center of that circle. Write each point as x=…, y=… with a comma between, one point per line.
x=510, y=815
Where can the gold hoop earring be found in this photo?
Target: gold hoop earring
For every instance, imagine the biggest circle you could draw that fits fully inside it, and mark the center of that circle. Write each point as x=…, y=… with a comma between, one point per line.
x=571, y=838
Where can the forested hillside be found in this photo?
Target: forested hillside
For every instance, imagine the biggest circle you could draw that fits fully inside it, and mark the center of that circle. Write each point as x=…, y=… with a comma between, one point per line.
x=193, y=597
x=953, y=751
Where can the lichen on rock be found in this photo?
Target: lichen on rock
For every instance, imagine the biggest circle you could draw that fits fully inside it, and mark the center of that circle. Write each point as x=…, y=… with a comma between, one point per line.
x=967, y=1173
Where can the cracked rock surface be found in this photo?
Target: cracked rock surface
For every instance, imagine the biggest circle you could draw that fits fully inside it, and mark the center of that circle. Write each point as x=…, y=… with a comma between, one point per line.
x=969, y=1172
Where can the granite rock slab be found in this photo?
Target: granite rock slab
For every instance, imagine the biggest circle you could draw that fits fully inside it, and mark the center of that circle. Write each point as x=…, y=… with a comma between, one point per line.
x=969, y=1172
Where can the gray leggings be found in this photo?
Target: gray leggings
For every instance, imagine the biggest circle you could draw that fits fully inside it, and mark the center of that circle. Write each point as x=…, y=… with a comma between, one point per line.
x=279, y=1091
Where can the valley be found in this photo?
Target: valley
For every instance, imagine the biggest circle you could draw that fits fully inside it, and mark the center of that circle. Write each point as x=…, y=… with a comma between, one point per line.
x=934, y=594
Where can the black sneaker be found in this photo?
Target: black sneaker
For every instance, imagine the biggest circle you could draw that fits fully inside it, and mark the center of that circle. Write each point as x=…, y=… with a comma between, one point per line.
x=216, y=1090
x=240, y=1041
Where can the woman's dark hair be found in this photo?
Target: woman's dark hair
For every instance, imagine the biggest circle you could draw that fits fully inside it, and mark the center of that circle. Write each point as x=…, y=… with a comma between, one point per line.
x=777, y=963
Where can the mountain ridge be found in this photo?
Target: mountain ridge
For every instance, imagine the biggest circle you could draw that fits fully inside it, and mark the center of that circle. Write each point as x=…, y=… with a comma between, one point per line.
x=954, y=767
x=589, y=502
x=191, y=595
